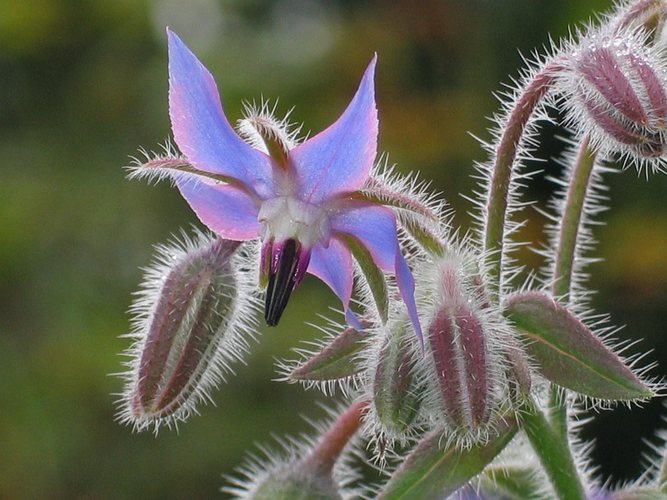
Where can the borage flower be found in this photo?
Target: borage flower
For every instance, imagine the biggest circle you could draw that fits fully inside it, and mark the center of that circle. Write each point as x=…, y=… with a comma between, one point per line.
x=303, y=200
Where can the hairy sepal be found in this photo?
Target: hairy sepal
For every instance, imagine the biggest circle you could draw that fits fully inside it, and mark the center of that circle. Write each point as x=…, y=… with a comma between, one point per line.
x=511, y=482
x=432, y=470
x=336, y=360
x=568, y=353
x=372, y=274
x=395, y=388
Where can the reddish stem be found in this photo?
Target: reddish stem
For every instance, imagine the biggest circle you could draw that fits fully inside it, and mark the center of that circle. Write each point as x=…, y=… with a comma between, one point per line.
x=332, y=442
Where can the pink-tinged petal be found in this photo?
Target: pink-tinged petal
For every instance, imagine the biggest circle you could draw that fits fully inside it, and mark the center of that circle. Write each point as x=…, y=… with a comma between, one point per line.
x=200, y=127
x=339, y=159
x=375, y=227
x=224, y=209
x=334, y=266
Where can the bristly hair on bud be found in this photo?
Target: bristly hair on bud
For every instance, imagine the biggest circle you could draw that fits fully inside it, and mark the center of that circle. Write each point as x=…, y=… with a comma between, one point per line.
x=260, y=128
x=614, y=88
x=312, y=467
x=469, y=367
x=192, y=318
x=332, y=363
x=394, y=386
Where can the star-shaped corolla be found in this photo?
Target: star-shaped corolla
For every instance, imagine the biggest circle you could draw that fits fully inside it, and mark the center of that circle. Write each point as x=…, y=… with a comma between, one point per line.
x=302, y=200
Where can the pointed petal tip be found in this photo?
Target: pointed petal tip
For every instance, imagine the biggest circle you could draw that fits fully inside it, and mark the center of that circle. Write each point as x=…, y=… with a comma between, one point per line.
x=172, y=37
x=406, y=286
x=340, y=158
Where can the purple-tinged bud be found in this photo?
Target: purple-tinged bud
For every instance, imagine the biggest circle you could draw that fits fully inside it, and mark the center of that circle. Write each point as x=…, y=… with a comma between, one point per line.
x=336, y=361
x=614, y=90
x=308, y=472
x=186, y=327
x=472, y=364
x=457, y=343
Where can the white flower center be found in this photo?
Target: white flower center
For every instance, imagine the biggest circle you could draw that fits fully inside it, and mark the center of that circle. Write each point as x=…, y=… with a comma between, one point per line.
x=286, y=217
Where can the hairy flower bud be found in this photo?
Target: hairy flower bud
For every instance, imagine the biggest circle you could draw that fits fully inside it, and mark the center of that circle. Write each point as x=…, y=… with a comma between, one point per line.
x=308, y=470
x=186, y=328
x=615, y=90
x=458, y=346
x=395, y=395
x=469, y=346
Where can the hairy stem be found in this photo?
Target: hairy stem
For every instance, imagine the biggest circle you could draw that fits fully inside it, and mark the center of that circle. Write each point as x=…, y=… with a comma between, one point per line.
x=331, y=444
x=662, y=476
x=568, y=232
x=554, y=454
x=504, y=161
x=565, y=254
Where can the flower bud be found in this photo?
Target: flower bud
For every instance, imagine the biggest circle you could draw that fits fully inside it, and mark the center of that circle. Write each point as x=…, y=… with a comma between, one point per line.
x=470, y=351
x=187, y=317
x=394, y=389
x=308, y=470
x=617, y=84
x=458, y=346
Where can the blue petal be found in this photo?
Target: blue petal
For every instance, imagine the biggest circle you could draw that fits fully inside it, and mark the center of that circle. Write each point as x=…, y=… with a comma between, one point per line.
x=224, y=209
x=334, y=266
x=200, y=127
x=375, y=227
x=340, y=158
x=406, y=285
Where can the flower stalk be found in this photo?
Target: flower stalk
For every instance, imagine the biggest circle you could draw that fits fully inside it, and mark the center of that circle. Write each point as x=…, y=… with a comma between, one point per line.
x=504, y=162
x=566, y=248
x=553, y=452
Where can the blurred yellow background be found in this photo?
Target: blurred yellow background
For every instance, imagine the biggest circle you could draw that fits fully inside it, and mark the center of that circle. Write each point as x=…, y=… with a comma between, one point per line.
x=83, y=85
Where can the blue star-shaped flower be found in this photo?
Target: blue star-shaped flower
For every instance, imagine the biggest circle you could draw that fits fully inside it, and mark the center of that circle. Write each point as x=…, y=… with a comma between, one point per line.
x=303, y=202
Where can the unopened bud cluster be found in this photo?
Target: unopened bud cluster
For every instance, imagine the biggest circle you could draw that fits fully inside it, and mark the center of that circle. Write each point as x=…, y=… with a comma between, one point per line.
x=614, y=85
x=467, y=373
x=187, y=321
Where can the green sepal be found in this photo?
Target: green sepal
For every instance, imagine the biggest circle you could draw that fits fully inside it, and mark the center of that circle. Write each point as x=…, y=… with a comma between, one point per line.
x=336, y=360
x=423, y=235
x=395, y=392
x=432, y=470
x=372, y=273
x=181, y=164
x=511, y=482
x=568, y=353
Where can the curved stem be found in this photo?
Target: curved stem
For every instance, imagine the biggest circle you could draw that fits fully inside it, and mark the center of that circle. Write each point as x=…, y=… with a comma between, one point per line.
x=554, y=454
x=503, y=164
x=332, y=442
x=571, y=221
x=565, y=255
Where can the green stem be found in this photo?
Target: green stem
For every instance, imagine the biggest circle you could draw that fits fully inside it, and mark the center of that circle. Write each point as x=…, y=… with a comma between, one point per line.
x=573, y=209
x=503, y=164
x=554, y=454
x=557, y=412
x=565, y=255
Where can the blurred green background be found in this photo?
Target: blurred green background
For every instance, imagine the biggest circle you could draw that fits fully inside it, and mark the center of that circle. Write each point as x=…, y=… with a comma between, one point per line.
x=83, y=85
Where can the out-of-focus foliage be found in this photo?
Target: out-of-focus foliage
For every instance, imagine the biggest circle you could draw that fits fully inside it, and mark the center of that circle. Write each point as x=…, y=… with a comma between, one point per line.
x=83, y=85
